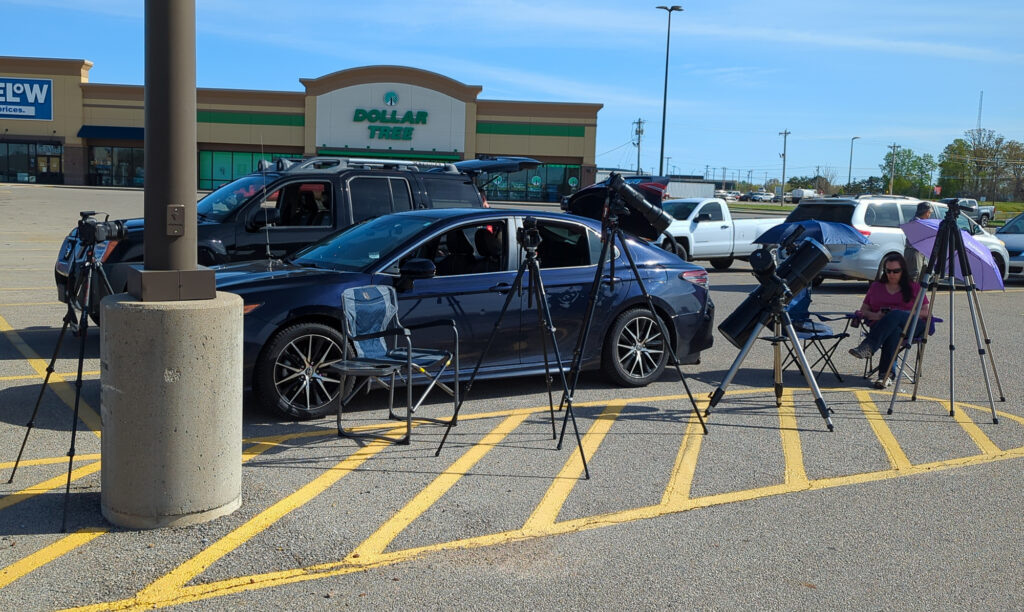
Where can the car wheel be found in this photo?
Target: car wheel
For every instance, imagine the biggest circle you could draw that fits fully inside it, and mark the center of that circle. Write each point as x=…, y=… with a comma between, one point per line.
x=983, y=221
x=635, y=352
x=721, y=263
x=679, y=249
x=292, y=376
x=1000, y=265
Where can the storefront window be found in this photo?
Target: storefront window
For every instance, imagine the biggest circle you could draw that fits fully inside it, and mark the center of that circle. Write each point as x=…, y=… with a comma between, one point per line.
x=217, y=168
x=19, y=167
x=547, y=183
x=116, y=166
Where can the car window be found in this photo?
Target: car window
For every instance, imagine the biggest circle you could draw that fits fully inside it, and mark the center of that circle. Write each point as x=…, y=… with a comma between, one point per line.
x=679, y=210
x=303, y=204
x=885, y=214
x=714, y=209
x=219, y=204
x=909, y=211
x=962, y=222
x=1015, y=226
x=836, y=213
x=565, y=245
x=475, y=248
x=401, y=194
x=370, y=197
x=364, y=245
x=445, y=192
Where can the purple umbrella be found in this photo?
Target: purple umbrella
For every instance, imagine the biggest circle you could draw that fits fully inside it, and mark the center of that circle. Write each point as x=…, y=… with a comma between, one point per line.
x=921, y=235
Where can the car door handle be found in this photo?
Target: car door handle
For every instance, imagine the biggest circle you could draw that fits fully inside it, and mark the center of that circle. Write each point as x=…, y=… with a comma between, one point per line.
x=607, y=280
x=501, y=288
x=725, y=227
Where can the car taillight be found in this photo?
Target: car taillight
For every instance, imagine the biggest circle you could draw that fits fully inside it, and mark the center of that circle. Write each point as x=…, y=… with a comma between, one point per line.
x=697, y=277
x=865, y=232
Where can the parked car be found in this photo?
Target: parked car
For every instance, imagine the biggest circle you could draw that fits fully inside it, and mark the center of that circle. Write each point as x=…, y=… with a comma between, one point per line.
x=292, y=204
x=803, y=194
x=762, y=196
x=1012, y=235
x=705, y=229
x=732, y=196
x=460, y=264
x=879, y=218
x=980, y=213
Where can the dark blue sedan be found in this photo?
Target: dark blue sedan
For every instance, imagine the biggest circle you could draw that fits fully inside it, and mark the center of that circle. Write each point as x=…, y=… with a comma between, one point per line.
x=293, y=307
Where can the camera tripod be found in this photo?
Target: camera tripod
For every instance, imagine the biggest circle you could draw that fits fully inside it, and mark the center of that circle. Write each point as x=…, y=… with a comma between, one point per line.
x=83, y=283
x=529, y=238
x=610, y=233
x=947, y=251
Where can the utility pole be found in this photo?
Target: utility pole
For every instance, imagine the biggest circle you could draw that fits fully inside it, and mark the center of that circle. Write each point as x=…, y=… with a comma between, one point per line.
x=639, y=132
x=723, y=178
x=849, y=169
x=785, y=136
x=707, y=168
x=892, y=164
x=668, y=167
x=749, y=173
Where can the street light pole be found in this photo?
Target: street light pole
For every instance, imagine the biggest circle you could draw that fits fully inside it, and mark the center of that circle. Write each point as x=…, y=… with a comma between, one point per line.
x=849, y=171
x=664, y=97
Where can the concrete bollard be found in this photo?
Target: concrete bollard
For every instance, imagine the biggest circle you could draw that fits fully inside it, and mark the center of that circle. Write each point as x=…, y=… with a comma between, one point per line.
x=171, y=404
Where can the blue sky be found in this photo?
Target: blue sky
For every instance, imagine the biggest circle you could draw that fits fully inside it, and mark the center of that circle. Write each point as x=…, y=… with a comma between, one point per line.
x=740, y=72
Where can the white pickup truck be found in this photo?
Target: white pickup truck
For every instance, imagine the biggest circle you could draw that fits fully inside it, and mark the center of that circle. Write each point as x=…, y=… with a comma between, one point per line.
x=704, y=229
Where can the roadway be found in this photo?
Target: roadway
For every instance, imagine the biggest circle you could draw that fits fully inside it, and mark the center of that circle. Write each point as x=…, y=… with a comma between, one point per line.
x=768, y=510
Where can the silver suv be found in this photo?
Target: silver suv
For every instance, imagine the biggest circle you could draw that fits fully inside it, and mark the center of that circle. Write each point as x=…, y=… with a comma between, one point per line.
x=879, y=217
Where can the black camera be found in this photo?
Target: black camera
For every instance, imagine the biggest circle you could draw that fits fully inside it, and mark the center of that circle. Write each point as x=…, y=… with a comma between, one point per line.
x=528, y=235
x=639, y=216
x=92, y=231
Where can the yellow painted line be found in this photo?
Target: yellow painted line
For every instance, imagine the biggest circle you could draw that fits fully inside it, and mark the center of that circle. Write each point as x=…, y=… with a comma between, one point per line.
x=169, y=585
x=50, y=460
x=41, y=557
x=547, y=510
x=893, y=451
x=984, y=443
x=47, y=485
x=60, y=374
x=379, y=540
x=796, y=473
x=59, y=385
x=677, y=492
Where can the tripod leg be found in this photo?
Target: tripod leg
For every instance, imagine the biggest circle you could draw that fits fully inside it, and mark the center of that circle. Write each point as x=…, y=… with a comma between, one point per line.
x=544, y=314
x=932, y=288
x=808, y=372
x=42, y=389
x=777, y=363
x=516, y=285
x=536, y=289
x=662, y=326
x=988, y=343
x=717, y=394
x=909, y=327
x=952, y=328
x=83, y=327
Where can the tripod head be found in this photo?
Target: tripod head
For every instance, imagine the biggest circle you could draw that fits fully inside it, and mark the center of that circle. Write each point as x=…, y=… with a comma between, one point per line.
x=528, y=236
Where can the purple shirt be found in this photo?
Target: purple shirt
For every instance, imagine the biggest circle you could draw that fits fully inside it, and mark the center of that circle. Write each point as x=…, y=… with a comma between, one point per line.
x=878, y=297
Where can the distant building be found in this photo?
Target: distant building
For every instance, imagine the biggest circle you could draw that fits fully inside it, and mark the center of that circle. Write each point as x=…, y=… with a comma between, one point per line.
x=57, y=127
x=679, y=185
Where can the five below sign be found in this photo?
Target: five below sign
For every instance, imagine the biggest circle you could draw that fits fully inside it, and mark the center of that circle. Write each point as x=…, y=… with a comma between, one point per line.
x=26, y=98
x=396, y=125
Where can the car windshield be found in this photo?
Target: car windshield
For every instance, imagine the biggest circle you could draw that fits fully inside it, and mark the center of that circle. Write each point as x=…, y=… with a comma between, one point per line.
x=962, y=222
x=361, y=246
x=219, y=204
x=679, y=210
x=1014, y=226
x=836, y=213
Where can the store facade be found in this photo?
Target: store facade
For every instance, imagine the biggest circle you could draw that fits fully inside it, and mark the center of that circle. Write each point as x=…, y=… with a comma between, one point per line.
x=57, y=127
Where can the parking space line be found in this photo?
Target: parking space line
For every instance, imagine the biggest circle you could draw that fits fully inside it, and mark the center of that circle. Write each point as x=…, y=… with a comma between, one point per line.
x=43, y=556
x=47, y=485
x=893, y=451
x=547, y=510
x=796, y=473
x=984, y=443
x=86, y=374
x=677, y=492
x=59, y=385
x=50, y=460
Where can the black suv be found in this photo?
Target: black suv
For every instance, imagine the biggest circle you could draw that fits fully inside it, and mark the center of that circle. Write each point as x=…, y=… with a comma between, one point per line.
x=289, y=204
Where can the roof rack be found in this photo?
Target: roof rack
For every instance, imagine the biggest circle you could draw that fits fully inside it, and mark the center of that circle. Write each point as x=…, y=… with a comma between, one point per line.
x=332, y=165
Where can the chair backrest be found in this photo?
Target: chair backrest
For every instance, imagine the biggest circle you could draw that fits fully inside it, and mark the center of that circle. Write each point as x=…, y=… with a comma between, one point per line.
x=366, y=310
x=799, y=306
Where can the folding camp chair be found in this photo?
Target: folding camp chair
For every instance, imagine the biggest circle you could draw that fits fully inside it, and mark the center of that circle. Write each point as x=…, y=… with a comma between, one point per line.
x=911, y=371
x=383, y=349
x=816, y=334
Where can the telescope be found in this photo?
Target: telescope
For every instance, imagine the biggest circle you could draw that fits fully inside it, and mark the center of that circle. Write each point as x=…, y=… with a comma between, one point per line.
x=637, y=215
x=776, y=284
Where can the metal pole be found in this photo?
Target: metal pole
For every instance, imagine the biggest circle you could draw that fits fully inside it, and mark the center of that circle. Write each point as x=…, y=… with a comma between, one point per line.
x=785, y=135
x=892, y=165
x=849, y=171
x=664, y=97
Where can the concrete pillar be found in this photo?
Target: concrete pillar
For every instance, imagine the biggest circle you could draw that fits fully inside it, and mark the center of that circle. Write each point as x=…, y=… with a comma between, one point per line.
x=171, y=403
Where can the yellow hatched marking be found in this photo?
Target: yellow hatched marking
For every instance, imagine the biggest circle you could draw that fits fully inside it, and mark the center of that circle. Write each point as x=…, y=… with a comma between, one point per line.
x=50, y=461
x=47, y=485
x=60, y=374
x=677, y=492
x=171, y=583
x=547, y=510
x=796, y=474
x=379, y=540
x=893, y=451
x=63, y=390
x=41, y=557
x=984, y=443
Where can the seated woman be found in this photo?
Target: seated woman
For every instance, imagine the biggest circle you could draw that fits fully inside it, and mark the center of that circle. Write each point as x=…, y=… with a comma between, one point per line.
x=885, y=309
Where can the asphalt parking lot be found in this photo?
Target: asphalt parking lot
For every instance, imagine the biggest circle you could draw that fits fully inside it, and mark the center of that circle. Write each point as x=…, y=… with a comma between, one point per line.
x=914, y=510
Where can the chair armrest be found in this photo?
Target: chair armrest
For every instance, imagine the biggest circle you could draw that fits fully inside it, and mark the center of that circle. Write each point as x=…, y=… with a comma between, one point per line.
x=387, y=333
x=832, y=316
x=436, y=323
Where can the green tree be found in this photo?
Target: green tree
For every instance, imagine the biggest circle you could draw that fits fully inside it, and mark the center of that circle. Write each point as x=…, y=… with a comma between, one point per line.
x=912, y=172
x=955, y=170
x=1014, y=159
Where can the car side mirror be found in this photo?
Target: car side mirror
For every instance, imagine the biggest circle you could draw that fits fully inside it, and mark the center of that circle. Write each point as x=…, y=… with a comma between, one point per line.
x=702, y=217
x=412, y=270
x=264, y=217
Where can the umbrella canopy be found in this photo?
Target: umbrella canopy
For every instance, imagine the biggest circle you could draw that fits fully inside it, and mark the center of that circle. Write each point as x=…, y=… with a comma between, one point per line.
x=825, y=232
x=921, y=235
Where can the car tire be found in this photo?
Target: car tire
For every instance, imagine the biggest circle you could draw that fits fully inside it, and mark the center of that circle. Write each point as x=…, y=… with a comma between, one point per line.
x=983, y=221
x=1000, y=264
x=679, y=249
x=721, y=263
x=635, y=352
x=290, y=374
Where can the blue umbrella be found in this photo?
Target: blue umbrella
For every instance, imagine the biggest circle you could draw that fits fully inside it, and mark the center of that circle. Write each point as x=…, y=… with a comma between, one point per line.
x=825, y=232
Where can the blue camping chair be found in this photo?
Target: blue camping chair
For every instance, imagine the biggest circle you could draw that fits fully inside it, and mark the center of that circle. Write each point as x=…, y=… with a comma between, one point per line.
x=379, y=347
x=814, y=332
x=911, y=372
